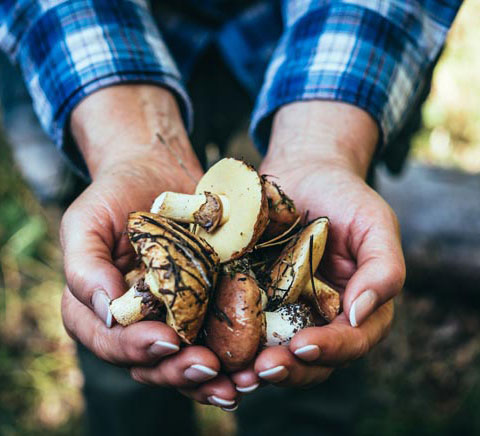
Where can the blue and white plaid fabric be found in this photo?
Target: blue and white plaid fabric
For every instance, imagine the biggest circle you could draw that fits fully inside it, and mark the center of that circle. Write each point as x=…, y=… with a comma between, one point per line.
x=373, y=54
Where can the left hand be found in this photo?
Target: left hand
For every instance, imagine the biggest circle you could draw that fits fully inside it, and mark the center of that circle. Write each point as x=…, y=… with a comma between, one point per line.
x=320, y=152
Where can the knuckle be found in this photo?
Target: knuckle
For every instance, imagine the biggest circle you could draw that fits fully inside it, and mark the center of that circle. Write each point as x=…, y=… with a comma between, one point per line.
x=101, y=347
x=325, y=374
x=361, y=348
x=397, y=274
x=136, y=376
x=131, y=351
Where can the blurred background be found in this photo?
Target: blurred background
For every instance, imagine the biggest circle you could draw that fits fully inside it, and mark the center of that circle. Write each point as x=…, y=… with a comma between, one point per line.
x=424, y=379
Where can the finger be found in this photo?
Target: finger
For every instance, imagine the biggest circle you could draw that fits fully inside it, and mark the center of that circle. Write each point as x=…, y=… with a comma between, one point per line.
x=138, y=344
x=189, y=367
x=88, y=239
x=246, y=380
x=279, y=366
x=218, y=392
x=338, y=342
x=380, y=270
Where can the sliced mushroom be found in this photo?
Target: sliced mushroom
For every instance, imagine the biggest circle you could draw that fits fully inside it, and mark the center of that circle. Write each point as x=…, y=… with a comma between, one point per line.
x=229, y=209
x=234, y=325
x=325, y=299
x=180, y=269
x=281, y=210
x=298, y=261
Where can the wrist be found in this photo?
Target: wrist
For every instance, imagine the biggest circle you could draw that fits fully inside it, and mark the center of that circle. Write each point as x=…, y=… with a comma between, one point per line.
x=324, y=133
x=123, y=124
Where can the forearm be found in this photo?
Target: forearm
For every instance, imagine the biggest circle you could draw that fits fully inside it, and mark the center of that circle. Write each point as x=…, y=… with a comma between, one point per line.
x=123, y=123
x=323, y=133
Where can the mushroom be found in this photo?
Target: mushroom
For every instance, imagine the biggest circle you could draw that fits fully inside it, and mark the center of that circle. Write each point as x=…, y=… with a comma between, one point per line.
x=285, y=322
x=281, y=210
x=136, y=304
x=325, y=299
x=298, y=261
x=237, y=328
x=180, y=274
x=234, y=325
x=206, y=210
x=229, y=208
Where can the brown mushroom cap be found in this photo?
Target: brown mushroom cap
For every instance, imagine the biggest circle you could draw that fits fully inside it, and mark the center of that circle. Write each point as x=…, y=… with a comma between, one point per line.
x=299, y=259
x=181, y=269
x=248, y=207
x=281, y=210
x=234, y=324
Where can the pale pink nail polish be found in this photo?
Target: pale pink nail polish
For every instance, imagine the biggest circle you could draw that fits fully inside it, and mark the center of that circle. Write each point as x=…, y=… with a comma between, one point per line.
x=362, y=307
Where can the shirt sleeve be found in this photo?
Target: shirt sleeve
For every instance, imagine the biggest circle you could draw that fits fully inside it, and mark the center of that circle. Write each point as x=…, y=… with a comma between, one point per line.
x=68, y=49
x=373, y=54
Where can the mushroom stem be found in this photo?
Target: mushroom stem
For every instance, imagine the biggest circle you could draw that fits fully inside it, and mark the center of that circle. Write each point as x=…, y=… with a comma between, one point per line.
x=136, y=304
x=198, y=209
x=280, y=326
x=325, y=299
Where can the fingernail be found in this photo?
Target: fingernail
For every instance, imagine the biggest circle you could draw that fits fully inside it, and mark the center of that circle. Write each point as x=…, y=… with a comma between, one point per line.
x=274, y=374
x=217, y=401
x=308, y=352
x=232, y=409
x=247, y=389
x=199, y=373
x=362, y=307
x=163, y=348
x=101, y=306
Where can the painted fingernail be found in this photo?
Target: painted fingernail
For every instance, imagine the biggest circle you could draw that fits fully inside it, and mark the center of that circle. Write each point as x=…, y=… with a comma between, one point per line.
x=163, y=348
x=274, y=374
x=308, y=352
x=199, y=373
x=231, y=409
x=221, y=402
x=247, y=389
x=101, y=306
x=362, y=307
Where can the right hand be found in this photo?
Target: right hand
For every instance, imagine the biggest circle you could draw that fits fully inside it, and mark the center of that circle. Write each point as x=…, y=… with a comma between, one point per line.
x=116, y=129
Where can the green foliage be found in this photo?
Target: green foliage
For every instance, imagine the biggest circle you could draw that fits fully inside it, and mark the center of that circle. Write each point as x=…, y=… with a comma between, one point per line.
x=39, y=381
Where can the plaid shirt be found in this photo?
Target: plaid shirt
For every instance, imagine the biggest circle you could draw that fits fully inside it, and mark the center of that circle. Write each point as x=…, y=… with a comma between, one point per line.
x=373, y=54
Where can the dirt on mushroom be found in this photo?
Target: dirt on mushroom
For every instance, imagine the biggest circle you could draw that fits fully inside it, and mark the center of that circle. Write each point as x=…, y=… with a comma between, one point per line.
x=267, y=291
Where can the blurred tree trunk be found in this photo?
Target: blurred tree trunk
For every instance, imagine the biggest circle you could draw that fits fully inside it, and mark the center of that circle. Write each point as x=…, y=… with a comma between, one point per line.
x=439, y=213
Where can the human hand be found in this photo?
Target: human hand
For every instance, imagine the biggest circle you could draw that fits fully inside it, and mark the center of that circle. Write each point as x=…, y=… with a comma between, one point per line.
x=320, y=152
x=116, y=129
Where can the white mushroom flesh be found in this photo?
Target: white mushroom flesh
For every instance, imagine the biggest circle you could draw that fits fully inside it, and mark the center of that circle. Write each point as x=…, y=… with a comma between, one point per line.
x=284, y=323
x=243, y=187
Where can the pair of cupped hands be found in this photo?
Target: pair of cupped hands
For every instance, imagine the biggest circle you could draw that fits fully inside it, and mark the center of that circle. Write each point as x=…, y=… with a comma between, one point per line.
x=319, y=151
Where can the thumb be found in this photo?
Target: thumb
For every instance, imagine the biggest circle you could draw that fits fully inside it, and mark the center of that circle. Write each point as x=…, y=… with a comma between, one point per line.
x=88, y=242
x=380, y=273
